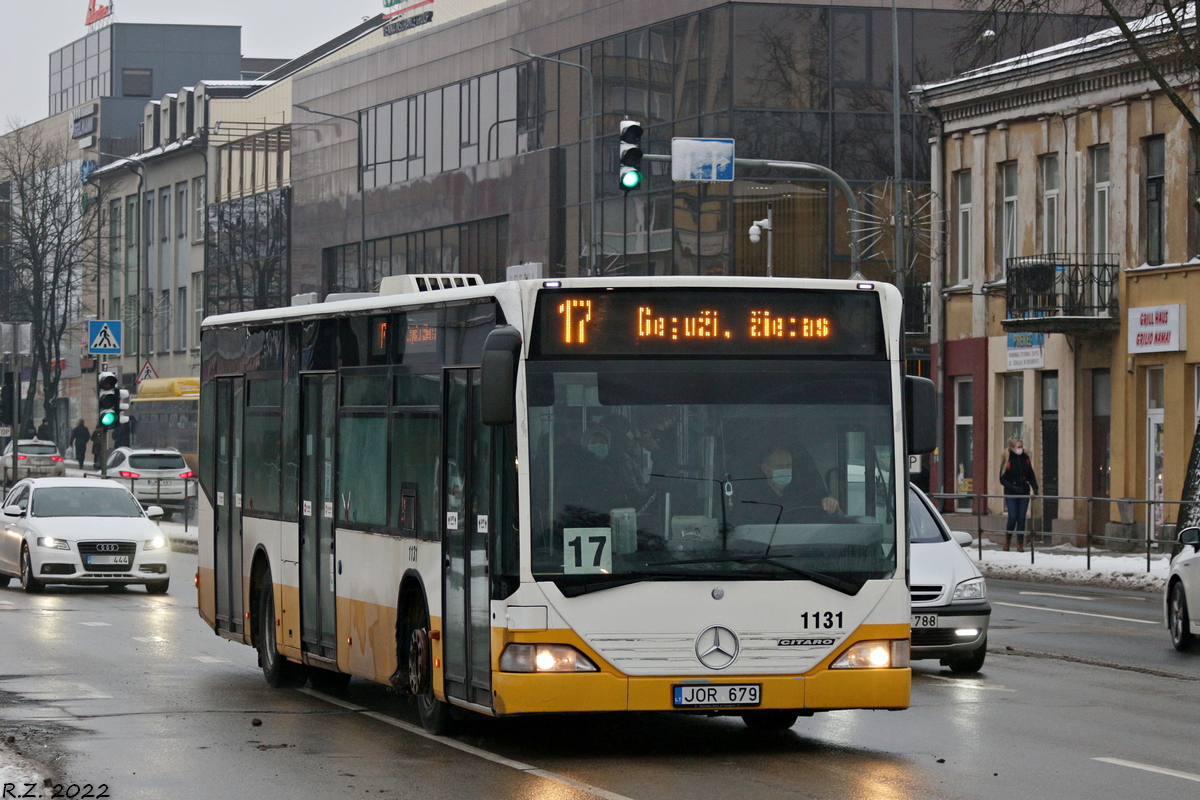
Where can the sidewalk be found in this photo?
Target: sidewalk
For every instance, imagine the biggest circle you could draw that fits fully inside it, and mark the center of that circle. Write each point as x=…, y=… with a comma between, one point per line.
x=1066, y=565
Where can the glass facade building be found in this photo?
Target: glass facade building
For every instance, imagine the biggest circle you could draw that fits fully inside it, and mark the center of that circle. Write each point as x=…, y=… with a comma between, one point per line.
x=793, y=82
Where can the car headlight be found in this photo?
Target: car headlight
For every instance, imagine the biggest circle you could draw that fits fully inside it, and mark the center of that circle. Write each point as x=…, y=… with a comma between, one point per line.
x=157, y=543
x=544, y=658
x=974, y=589
x=51, y=542
x=881, y=654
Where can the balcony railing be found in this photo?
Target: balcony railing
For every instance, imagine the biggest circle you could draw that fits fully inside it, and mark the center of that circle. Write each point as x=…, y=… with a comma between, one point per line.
x=1062, y=292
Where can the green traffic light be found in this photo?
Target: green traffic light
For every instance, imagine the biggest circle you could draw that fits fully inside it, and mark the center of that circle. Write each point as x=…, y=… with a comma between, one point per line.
x=630, y=179
x=108, y=418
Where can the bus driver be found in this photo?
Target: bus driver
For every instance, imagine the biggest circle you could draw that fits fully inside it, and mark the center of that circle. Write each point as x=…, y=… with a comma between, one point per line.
x=788, y=485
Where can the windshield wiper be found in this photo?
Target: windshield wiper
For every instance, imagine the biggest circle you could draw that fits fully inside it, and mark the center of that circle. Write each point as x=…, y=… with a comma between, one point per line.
x=837, y=584
x=623, y=579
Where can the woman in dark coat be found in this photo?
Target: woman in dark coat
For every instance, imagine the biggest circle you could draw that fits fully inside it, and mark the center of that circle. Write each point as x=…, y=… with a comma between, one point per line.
x=1017, y=478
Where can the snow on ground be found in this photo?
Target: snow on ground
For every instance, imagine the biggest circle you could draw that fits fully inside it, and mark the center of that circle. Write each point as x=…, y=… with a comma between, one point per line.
x=17, y=771
x=1067, y=565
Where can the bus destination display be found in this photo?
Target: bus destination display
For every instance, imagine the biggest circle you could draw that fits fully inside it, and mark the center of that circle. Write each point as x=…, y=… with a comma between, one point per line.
x=708, y=322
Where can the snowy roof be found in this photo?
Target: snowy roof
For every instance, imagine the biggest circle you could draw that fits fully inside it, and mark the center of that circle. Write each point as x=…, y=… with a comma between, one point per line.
x=1153, y=25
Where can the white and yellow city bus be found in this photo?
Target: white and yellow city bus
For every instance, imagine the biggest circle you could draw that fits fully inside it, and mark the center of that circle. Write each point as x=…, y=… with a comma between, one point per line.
x=670, y=494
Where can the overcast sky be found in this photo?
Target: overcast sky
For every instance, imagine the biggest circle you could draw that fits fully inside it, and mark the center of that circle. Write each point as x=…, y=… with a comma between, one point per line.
x=270, y=29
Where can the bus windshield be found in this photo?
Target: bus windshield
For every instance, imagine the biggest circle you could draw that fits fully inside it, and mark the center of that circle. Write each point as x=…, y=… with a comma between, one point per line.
x=685, y=469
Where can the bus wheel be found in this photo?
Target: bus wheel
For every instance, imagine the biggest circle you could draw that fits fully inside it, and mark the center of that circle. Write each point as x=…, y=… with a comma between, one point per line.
x=770, y=719
x=278, y=671
x=435, y=714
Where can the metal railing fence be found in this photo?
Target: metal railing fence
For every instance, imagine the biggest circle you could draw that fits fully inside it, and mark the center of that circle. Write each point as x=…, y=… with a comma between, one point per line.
x=1037, y=526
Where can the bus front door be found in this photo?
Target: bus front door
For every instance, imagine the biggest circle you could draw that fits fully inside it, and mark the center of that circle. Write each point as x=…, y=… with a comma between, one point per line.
x=318, y=631
x=467, y=482
x=228, y=511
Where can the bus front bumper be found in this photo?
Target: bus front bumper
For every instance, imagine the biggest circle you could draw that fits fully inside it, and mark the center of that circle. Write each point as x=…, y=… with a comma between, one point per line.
x=820, y=690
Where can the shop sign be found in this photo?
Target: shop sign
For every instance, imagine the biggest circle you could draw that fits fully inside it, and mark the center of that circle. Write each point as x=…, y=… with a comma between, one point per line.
x=1158, y=329
x=398, y=23
x=1026, y=351
x=83, y=127
x=95, y=12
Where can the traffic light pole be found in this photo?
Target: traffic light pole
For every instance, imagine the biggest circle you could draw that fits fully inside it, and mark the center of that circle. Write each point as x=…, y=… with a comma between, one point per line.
x=804, y=166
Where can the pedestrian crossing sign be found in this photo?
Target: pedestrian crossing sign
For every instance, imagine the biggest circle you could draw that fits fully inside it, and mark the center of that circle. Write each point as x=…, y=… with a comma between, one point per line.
x=104, y=336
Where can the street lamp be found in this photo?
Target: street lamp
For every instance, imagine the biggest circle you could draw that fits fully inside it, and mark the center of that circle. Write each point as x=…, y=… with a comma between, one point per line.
x=592, y=268
x=756, y=230
x=362, y=190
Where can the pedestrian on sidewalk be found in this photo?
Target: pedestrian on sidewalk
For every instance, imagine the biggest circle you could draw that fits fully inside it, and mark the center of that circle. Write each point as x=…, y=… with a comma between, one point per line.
x=80, y=437
x=1018, y=479
x=43, y=431
x=97, y=437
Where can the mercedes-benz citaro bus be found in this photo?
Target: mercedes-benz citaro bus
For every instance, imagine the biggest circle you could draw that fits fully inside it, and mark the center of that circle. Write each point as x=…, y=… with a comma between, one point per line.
x=597, y=494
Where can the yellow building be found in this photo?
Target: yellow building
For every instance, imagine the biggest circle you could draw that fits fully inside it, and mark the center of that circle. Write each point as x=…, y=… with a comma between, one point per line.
x=1066, y=184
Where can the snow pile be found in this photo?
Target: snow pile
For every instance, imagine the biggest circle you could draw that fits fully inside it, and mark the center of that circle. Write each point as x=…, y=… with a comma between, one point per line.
x=19, y=773
x=1067, y=566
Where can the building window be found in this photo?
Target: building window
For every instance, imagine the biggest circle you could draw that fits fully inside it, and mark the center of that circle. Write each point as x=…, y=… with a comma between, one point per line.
x=164, y=213
x=131, y=222
x=1098, y=207
x=1008, y=215
x=181, y=319
x=181, y=209
x=964, y=428
x=1013, y=384
x=475, y=247
x=198, y=304
x=1049, y=178
x=162, y=313
x=247, y=265
x=1155, y=167
x=137, y=82
x=198, y=201
x=962, y=188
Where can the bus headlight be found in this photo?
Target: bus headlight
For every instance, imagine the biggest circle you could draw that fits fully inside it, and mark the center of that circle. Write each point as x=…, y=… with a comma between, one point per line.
x=50, y=541
x=544, y=658
x=874, y=655
x=974, y=589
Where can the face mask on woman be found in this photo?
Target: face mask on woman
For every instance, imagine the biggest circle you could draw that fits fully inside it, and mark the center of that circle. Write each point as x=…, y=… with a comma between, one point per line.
x=1018, y=450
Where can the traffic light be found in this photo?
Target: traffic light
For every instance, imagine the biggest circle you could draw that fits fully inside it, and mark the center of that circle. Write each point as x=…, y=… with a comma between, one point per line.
x=631, y=154
x=109, y=400
x=7, y=400
x=123, y=406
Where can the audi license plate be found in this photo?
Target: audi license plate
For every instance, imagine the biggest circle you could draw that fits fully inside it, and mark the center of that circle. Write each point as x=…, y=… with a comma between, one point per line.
x=924, y=620
x=94, y=560
x=716, y=695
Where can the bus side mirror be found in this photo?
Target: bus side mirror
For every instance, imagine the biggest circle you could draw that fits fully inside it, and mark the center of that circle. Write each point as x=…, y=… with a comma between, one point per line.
x=498, y=376
x=920, y=415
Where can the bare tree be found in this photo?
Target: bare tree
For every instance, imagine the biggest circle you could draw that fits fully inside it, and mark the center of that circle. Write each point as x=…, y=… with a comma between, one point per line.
x=1161, y=34
x=46, y=224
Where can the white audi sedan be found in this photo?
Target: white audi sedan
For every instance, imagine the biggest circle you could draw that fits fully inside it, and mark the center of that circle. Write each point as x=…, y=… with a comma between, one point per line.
x=80, y=531
x=1183, y=586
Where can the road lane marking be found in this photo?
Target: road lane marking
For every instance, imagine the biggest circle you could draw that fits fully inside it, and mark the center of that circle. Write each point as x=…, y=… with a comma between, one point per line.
x=1066, y=596
x=148, y=638
x=1174, y=773
x=528, y=769
x=97, y=624
x=1078, y=613
x=211, y=659
x=966, y=684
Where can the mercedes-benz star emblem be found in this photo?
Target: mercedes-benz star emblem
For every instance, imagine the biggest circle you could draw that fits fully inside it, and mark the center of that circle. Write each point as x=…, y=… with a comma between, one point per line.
x=717, y=647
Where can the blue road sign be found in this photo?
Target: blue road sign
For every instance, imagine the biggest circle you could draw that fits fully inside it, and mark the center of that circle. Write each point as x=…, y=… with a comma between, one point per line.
x=701, y=159
x=104, y=336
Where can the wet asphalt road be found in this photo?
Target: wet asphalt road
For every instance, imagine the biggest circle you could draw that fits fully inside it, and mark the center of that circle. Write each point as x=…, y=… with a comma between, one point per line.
x=132, y=691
